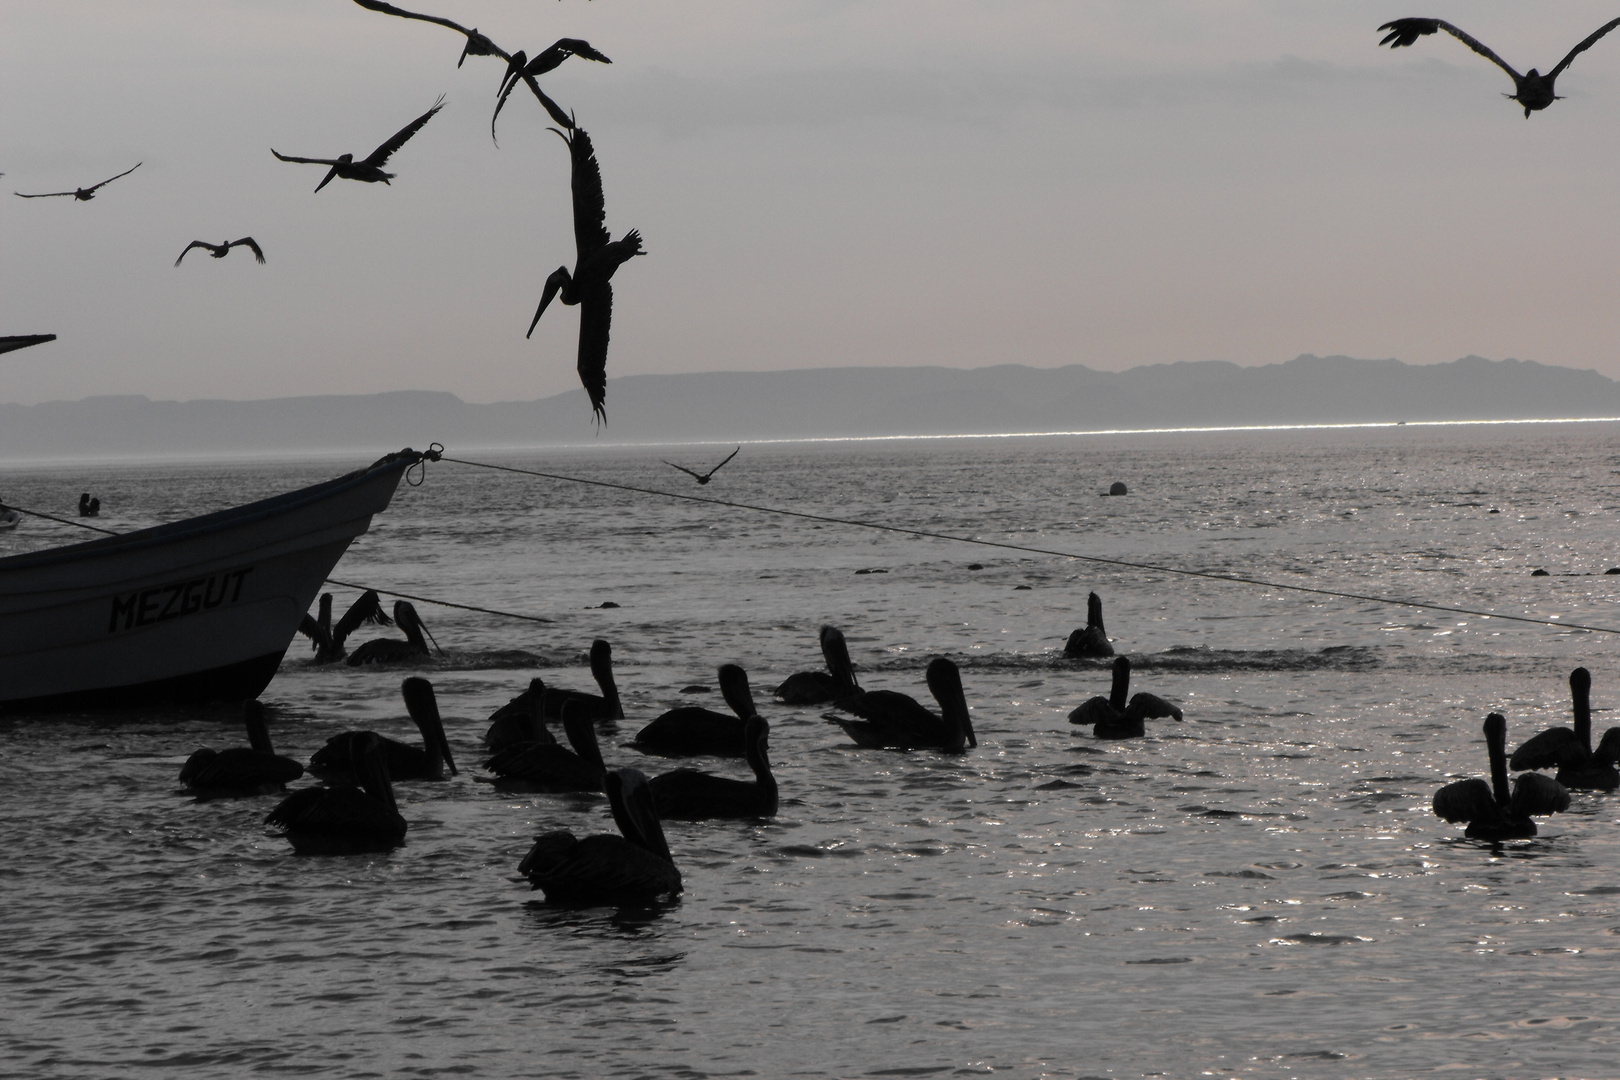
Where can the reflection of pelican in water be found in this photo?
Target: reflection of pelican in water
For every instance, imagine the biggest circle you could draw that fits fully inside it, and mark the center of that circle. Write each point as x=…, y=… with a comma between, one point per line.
x=509, y=724
x=370, y=169
x=1579, y=766
x=691, y=795
x=1492, y=811
x=820, y=687
x=241, y=771
x=345, y=820
x=541, y=765
x=393, y=650
x=83, y=194
x=1115, y=718
x=704, y=478
x=1090, y=640
x=328, y=640
x=693, y=729
x=405, y=762
x=631, y=868
x=893, y=721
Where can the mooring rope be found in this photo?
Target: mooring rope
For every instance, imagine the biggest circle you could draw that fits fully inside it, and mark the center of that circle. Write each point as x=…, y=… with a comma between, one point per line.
x=1126, y=563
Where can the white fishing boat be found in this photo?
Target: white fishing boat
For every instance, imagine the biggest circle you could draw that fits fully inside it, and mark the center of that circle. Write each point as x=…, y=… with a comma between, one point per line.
x=196, y=610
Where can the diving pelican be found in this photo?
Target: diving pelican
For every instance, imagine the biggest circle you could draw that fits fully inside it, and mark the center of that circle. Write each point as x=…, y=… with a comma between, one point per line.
x=597, y=256
x=520, y=68
x=1532, y=90
x=240, y=772
x=393, y=650
x=345, y=820
x=370, y=170
x=510, y=723
x=1579, y=766
x=84, y=194
x=703, y=478
x=541, y=765
x=820, y=687
x=327, y=640
x=1491, y=810
x=692, y=729
x=1113, y=717
x=430, y=761
x=219, y=251
x=689, y=795
x=1091, y=640
x=893, y=721
x=634, y=867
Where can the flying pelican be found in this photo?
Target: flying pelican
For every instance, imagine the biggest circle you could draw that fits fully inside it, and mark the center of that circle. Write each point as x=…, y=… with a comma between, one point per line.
x=370, y=170
x=703, y=478
x=1090, y=640
x=634, y=867
x=84, y=194
x=219, y=251
x=477, y=44
x=542, y=765
x=393, y=650
x=693, y=729
x=690, y=795
x=509, y=724
x=1578, y=765
x=240, y=772
x=13, y=342
x=893, y=721
x=820, y=687
x=520, y=68
x=1492, y=812
x=597, y=257
x=345, y=820
x=1533, y=90
x=1113, y=717
x=405, y=762
x=327, y=640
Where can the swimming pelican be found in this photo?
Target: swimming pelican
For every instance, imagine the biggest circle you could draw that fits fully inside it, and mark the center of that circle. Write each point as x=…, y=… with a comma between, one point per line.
x=219, y=251
x=690, y=795
x=893, y=721
x=597, y=256
x=1113, y=717
x=703, y=478
x=89, y=507
x=820, y=687
x=84, y=194
x=1091, y=640
x=1579, y=766
x=634, y=867
x=240, y=772
x=1532, y=90
x=393, y=650
x=327, y=640
x=1491, y=810
x=509, y=724
x=405, y=762
x=541, y=765
x=692, y=729
x=345, y=820
x=520, y=68
x=369, y=170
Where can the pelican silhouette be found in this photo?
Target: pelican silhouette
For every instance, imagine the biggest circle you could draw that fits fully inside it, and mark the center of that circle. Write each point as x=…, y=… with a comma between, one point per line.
x=597, y=257
x=477, y=44
x=509, y=724
x=393, y=650
x=820, y=687
x=327, y=640
x=219, y=251
x=369, y=170
x=240, y=772
x=405, y=762
x=692, y=730
x=1492, y=811
x=1115, y=718
x=541, y=765
x=1090, y=640
x=520, y=68
x=893, y=721
x=1579, y=766
x=345, y=820
x=634, y=867
x=84, y=194
x=1532, y=90
x=690, y=795
x=703, y=478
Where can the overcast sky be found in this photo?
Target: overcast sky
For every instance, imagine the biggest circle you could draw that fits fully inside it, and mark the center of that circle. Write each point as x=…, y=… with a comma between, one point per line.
x=818, y=182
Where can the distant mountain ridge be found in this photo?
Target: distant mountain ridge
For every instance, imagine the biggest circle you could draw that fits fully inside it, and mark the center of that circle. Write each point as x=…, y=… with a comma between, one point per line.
x=826, y=402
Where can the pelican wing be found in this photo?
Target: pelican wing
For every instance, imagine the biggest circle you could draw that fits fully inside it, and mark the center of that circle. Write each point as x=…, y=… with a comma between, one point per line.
x=1582, y=47
x=722, y=465
x=1608, y=748
x=595, y=319
x=367, y=609
x=1466, y=800
x=590, y=207
x=1151, y=707
x=1097, y=710
x=301, y=160
x=1406, y=31
x=44, y=194
x=379, y=157
x=477, y=44
x=138, y=164
x=210, y=247
x=241, y=768
x=683, y=468
x=1552, y=748
x=514, y=73
x=252, y=245
x=1534, y=793
x=563, y=48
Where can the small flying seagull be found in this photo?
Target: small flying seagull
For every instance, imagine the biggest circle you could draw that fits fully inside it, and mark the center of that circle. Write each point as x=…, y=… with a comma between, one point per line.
x=84, y=194
x=703, y=478
x=370, y=170
x=219, y=251
x=1533, y=90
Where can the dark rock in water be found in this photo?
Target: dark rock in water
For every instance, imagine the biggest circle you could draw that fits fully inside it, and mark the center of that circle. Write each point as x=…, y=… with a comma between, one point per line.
x=1118, y=488
x=975, y=566
x=1022, y=588
x=694, y=689
x=1539, y=573
x=607, y=603
x=872, y=570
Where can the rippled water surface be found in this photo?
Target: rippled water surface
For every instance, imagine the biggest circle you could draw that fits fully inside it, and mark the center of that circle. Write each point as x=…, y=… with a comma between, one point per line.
x=1259, y=891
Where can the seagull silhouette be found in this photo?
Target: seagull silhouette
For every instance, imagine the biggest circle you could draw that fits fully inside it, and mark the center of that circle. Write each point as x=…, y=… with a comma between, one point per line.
x=219, y=251
x=1533, y=90
x=703, y=478
x=84, y=194
x=370, y=170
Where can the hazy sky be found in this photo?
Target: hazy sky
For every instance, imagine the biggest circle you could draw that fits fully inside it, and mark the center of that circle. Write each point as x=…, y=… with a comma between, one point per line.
x=826, y=182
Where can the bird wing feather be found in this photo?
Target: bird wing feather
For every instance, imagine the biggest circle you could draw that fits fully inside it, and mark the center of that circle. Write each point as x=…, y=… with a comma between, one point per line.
x=44, y=194
x=1582, y=47
x=1554, y=747
x=367, y=609
x=1465, y=800
x=390, y=9
x=138, y=164
x=595, y=320
x=722, y=465
x=201, y=244
x=1485, y=51
x=683, y=468
x=379, y=157
x=301, y=160
x=590, y=206
x=1534, y=793
x=252, y=244
x=1151, y=707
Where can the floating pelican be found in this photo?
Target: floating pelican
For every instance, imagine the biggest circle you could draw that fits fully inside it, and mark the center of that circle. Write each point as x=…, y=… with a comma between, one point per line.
x=893, y=721
x=541, y=765
x=1090, y=640
x=219, y=251
x=1491, y=810
x=703, y=478
x=520, y=68
x=597, y=256
x=692, y=729
x=327, y=640
x=1113, y=717
x=430, y=761
x=634, y=867
x=89, y=507
x=240, y=772
x=345, y=820
x=509, y=724
x=1571, y=751
x=1532, y=90
x=370, y=170
x=84, y=194
x=393, y=650
x=690, y=795
x=820, y=687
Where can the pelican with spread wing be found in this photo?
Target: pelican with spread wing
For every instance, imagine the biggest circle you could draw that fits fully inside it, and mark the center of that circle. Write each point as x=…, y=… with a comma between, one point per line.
x=219, y=251
x=703, y=478
x=1532, y=90
x=369, y=170
x=84, y=194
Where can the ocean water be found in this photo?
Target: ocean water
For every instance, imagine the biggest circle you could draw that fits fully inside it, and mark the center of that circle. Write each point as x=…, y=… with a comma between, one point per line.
x=1261, y=890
